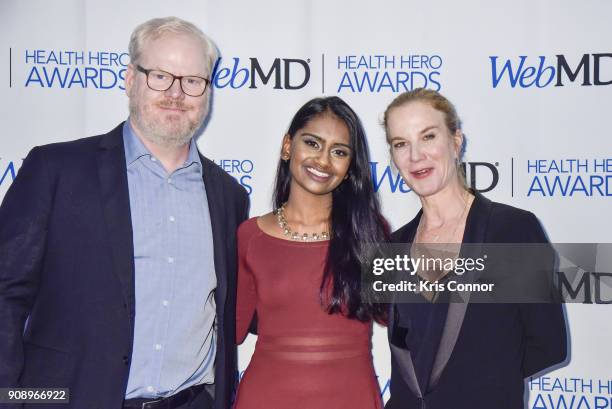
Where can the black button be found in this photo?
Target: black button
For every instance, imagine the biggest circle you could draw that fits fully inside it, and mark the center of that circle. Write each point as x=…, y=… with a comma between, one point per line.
x=126, y=360
x=125, y=305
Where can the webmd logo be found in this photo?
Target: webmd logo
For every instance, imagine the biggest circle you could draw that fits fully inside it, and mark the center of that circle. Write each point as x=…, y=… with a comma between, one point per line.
x=525, y=72
x=280, y=73
x=481, y=176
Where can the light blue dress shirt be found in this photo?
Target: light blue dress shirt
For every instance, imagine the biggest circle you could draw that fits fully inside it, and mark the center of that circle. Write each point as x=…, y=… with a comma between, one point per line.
x=174, y=329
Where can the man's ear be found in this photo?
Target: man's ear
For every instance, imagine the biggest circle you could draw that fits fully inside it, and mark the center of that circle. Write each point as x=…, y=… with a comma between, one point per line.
x=130, y=75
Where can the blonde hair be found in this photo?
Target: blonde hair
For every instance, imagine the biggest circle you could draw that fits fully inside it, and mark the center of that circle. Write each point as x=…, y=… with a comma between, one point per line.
x=155, y=28
x=436, y=100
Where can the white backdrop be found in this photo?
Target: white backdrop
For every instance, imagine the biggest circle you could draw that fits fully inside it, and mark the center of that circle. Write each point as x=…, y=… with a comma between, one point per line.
x=498, y=63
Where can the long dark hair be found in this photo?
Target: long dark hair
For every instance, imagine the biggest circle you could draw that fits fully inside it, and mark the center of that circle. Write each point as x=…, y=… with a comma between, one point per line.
x=356, y=222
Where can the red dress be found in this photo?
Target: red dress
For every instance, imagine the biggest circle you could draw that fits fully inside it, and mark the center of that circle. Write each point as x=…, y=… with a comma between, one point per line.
x=304, y=358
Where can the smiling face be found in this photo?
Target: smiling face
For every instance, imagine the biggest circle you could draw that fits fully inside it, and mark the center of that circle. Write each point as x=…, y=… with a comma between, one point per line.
x=423, y=148
x=168, y=118
x=319, y=155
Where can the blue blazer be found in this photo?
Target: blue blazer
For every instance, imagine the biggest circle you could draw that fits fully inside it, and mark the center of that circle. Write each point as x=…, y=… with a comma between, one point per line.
x=67, y=272
x=486, y=350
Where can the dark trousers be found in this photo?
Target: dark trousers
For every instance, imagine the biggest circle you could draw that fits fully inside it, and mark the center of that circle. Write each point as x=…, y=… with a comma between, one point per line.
x=203, y=399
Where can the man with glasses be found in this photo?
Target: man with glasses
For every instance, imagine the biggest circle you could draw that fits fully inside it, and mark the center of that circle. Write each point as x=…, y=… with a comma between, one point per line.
x=118, y=252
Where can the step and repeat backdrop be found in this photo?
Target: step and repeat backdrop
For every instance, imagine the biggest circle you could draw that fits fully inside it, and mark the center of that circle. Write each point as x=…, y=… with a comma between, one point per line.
x=532, y=81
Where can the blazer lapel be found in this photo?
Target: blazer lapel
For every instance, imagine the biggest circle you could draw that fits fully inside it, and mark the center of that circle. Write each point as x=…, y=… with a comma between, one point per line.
x=477, y=221
x=475, y=229
x=450, y=333
x=406, y=369
x=403, y=357
x=214, y=196
x=115, y=201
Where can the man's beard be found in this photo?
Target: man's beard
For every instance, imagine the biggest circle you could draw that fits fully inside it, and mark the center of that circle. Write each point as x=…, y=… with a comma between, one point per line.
x=165, y=129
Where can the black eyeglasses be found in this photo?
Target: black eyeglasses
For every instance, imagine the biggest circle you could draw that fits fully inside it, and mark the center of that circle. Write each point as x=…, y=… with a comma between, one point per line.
x=159, y=80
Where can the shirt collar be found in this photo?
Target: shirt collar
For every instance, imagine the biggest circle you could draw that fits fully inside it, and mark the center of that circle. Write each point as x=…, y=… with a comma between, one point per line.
x=135, y=149
x=194, y=156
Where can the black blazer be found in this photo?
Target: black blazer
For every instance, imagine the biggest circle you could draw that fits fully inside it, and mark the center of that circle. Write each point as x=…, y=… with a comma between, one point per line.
x=486, y=350
x=67, y=267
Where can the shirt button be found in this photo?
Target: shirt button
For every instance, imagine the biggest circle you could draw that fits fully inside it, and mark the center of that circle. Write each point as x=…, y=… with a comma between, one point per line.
x=171, y=218
x=165, y=303
x=170, y=260
x=158, y=347
x=170, y=180
x=150, y=388
x=153, y=159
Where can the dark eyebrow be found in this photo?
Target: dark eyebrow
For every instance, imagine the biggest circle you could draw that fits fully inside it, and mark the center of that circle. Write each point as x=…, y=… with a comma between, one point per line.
x=318, y=138
x=344, y=145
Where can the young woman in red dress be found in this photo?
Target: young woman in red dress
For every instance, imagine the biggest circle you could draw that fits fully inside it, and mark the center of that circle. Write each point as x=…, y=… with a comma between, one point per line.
x=300, y=270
